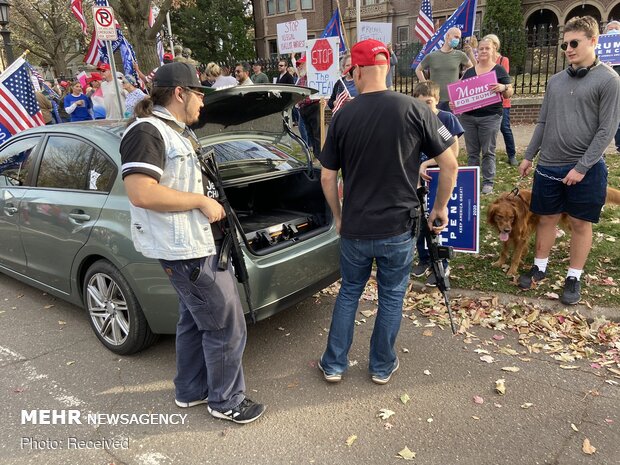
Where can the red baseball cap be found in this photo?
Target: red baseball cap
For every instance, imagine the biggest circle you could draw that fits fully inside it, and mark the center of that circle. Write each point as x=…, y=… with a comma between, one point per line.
x=365, y=53
x=301, y=60
x=93, y=77
x=103, y=66
x=168, y=57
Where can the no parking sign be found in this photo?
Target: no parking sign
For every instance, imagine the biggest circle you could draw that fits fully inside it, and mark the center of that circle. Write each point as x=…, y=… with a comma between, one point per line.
x=105, y=27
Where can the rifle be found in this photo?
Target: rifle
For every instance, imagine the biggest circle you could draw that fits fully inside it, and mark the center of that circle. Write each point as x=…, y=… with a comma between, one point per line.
x=231, y=246
x=437, y=252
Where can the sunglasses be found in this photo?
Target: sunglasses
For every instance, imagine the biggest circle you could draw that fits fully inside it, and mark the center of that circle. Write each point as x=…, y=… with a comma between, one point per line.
x=573, y=44
x=195, y=92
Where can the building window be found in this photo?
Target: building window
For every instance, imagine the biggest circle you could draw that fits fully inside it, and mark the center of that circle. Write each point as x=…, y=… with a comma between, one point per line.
x=292, y=5
x=271, y=7
x=306, y=5
x=273, y=48
x=281, y=6
x=370, y=2
x=402, y=34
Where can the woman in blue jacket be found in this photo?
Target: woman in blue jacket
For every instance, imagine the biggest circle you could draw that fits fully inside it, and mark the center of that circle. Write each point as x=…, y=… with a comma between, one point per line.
x=78, y=105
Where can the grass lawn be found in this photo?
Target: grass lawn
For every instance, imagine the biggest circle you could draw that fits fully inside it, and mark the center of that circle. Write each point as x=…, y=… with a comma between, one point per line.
x=601, y=278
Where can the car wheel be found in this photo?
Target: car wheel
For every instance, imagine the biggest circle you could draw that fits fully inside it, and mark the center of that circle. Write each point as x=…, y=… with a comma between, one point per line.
x=115, y=314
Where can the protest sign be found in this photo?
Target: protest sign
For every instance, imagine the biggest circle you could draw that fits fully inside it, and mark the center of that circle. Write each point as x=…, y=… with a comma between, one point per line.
x=608, y=49
x=292, y=36
x=463, y=228
x=378, y=31
x=322, y=64
x=473, y=93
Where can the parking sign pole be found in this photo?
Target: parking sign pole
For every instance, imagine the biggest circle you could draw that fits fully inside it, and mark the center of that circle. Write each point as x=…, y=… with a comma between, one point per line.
x=117, y=87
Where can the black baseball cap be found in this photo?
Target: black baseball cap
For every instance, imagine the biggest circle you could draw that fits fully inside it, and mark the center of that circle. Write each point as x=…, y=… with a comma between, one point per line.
x=178, y=74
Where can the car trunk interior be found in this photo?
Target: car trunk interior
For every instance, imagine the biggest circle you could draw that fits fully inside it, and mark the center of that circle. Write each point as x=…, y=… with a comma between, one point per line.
x=280, y=212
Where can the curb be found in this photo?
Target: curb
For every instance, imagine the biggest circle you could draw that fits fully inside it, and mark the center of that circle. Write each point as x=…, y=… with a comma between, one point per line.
x=609, y=313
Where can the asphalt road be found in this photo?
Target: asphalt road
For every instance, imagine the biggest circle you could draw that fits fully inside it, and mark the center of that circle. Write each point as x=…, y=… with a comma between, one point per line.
x=49, y=359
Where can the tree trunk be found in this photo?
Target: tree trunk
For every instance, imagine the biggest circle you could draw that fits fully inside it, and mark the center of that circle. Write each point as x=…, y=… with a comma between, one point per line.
x=146, y=50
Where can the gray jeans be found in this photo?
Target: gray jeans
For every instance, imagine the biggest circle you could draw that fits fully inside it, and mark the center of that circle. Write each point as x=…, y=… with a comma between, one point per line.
x=480, y=137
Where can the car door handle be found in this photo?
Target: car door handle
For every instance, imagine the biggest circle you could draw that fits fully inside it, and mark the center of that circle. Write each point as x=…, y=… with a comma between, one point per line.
x=79, y=216
x=10, y=210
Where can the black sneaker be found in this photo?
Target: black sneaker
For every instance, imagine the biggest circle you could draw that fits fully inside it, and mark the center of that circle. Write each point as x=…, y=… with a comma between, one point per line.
x=420, y=269
x=571, y=294
x=193, y=403
x=246, y=412
x=533, y=276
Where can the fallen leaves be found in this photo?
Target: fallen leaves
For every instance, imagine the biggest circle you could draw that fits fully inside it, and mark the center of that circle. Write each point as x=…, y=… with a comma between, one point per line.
x=511, y=369
x=526, y=405
x=351, y=439
x=487, y=359
x=405, y=398
x=500, y=386
x=406, y=454
x=478, y=400
x=588, y=448
x=385, y=413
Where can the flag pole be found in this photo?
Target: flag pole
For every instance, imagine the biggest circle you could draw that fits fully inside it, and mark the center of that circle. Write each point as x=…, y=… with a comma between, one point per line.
x=344, y=31
x=357, y=18
x=170, y=33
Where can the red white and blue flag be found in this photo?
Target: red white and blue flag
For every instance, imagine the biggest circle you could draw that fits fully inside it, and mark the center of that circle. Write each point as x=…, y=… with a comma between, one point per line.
x=424, y=27
x=464, y=17
x=334, y=29
x=76, y=9
x=19, y=109
x=342, y=98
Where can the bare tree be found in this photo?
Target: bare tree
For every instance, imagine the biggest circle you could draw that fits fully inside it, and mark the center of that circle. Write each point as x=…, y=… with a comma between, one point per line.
x=134, y=15
x=48, y=29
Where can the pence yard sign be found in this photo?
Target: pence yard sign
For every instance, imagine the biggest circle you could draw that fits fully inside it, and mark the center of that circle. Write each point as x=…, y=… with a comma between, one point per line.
x=292, y=36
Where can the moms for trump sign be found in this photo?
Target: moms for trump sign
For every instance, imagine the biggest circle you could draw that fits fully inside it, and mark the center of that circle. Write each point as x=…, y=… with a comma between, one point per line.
x=473, y=93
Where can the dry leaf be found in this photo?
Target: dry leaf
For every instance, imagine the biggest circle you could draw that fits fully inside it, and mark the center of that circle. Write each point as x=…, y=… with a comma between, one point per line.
x=427, y=372
x=500, y=386
x=48, y=306
x=569, y=367
x=478, y=400
x=498, y=337
x=405, y=398
x=475, y=417
x=406, y=454
x=487, y=359
x=368, y=313
x=511, y=369
x=526, y=405
x=351, y=439
x=384, y=413
x=60, y=322
x=572, y=425
x=71, y=362
x=481, y=351
x=388, y=426
x=552, y=295
x=588, y=448
x=429, y=420
x=405, y=350
x=427, y=332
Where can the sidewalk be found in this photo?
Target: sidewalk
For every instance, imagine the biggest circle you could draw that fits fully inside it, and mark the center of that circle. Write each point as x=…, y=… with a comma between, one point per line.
x=522, y=134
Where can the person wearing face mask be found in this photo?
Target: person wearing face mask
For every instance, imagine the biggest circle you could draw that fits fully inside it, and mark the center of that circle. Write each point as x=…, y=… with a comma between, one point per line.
x=445, y=65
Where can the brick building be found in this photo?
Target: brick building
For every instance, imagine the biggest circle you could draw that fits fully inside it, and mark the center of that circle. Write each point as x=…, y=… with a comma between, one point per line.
x=403, y=13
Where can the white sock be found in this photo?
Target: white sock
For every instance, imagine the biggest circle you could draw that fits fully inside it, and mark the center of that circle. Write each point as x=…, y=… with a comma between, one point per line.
x=541, y=263
x=574, y=272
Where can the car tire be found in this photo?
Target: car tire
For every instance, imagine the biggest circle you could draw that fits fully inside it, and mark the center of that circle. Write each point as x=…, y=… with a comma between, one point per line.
x=114, y=312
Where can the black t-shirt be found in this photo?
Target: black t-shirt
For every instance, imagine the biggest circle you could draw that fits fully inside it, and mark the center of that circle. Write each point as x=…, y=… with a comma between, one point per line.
x=497, y=108
x=143, y=151
x=376, y=140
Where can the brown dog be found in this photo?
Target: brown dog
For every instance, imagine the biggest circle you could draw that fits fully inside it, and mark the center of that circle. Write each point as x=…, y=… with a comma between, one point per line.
x=511, y=216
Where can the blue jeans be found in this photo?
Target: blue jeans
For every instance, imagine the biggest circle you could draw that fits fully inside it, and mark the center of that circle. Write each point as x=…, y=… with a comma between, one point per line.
x=211, y=333
x=617, y=139
x=506, y=131
x=394, y=256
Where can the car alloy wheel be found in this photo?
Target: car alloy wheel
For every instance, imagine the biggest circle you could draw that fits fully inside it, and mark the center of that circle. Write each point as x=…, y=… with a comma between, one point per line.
x=115, y=313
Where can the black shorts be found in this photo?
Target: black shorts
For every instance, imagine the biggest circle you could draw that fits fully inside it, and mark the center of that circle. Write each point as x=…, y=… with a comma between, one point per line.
x=583, y=200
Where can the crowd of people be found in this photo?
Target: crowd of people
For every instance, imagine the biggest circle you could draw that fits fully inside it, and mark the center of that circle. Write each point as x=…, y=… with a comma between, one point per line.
x=381, y=142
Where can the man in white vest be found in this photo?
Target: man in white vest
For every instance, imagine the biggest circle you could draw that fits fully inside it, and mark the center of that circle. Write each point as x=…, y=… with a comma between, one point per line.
x=174, y=218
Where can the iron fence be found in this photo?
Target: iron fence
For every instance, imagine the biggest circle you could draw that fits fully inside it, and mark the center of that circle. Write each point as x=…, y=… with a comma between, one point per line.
x=534, y=55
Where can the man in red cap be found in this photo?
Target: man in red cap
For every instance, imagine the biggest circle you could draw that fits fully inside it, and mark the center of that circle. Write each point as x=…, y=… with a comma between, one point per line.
x=376, y=140
x=108, y=87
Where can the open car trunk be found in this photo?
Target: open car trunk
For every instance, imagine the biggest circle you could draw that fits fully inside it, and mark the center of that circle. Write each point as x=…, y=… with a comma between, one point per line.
x=277, y=213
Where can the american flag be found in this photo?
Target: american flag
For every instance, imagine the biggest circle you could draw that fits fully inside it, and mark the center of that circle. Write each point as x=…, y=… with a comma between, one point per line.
x=424, y=28
x=342, y=98
x=19, y=109
x=76, y=9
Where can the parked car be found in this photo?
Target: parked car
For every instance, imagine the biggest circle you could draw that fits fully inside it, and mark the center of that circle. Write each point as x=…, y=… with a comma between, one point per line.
x=65, y=222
